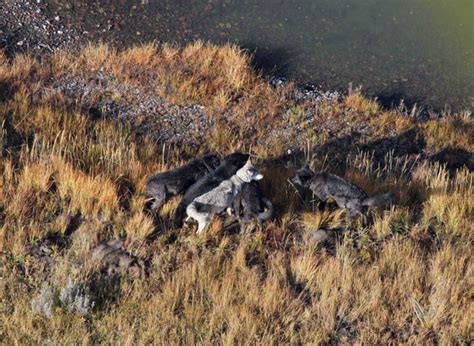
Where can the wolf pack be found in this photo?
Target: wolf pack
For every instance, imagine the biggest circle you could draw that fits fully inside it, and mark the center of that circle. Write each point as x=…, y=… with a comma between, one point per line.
x=210, y=186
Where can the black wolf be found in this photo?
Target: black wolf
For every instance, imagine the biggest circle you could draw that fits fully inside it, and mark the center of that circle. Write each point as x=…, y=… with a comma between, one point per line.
x=164, y=185
x=252, y=204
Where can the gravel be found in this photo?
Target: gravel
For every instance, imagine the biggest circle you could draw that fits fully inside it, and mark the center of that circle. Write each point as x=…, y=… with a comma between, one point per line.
x=28, y=26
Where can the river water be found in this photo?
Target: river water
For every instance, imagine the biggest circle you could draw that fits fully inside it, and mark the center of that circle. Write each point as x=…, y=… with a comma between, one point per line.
x=421, y=51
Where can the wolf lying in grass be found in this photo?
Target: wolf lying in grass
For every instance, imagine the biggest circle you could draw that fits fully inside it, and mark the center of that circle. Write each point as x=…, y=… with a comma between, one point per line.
x=228, y=167
x=347, y=196
x=221, y=198
x=164, y=185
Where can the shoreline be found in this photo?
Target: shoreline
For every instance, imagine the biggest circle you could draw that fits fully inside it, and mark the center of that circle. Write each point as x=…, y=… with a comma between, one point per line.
x=167, y=94
x=33, y=28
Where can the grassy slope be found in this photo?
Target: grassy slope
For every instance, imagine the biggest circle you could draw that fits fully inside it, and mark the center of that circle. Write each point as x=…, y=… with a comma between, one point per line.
x=406, y=278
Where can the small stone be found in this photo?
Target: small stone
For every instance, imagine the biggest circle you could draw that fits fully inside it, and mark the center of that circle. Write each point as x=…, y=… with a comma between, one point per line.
x=317, y=237
x=115, y=258
x=56, y=18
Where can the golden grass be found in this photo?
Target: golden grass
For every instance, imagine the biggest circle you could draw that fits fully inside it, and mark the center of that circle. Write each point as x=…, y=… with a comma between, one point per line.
x=451, y=132
x=404, y=278
x=323, y=220
x=357, y=102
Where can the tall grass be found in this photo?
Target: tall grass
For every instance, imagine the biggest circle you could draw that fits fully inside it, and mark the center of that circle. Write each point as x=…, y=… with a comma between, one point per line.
x=406, y=277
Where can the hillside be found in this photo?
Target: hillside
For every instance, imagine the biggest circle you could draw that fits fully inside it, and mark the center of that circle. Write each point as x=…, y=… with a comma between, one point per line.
x=81, y=132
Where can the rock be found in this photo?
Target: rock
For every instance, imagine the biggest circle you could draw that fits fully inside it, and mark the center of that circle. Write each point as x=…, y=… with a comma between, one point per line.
x=278, y=82
x=115, y=259
x=317, y=237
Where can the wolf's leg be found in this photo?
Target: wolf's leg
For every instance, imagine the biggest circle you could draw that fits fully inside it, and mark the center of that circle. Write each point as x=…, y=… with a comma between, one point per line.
x=203, y=220
x=236, y=205
x=364, y=218
x=350, y=216
x=320, y=199
x=201, y=227
x=192, y=212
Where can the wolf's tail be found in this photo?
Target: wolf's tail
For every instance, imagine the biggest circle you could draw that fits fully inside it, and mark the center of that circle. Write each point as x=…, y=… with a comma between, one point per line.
x=269, y=211
x=379, y=200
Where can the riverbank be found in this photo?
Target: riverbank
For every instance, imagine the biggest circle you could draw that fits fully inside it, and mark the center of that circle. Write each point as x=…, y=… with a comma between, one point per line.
x=184, y=95
x=83, y=129
x=409, y=57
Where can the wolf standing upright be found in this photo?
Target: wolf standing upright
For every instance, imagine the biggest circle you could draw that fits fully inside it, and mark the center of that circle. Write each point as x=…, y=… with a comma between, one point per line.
x=347, y=196
x=228, y=167
x=221, y=197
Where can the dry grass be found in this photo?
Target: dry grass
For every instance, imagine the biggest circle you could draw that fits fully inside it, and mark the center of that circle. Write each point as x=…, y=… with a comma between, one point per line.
x=404, y=278
x=356, y=102
x=451, y=132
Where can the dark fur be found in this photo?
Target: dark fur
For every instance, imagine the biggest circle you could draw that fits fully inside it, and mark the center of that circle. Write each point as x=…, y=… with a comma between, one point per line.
x=347, y=195
x=164, y=185
x=229, y=166
x=252, y=204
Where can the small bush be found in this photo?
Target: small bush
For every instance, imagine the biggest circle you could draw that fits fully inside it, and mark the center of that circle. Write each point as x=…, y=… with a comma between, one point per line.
x=44, y=303
x=75, y=297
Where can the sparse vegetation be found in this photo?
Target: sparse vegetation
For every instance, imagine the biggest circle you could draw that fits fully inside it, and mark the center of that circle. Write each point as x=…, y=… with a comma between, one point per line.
x=77, y=177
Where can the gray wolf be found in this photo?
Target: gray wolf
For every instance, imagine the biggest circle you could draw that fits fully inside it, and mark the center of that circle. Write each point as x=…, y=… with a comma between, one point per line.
x=253, y=204
x=228, y=167
x=347, y=195
x=164, y=185
x=221, y=198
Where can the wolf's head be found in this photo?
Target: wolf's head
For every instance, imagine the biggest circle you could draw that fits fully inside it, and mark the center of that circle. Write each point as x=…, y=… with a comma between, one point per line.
x=211, y=162
x=236, y=159
x=302, y=176
x=230, y=165
x=249, y=173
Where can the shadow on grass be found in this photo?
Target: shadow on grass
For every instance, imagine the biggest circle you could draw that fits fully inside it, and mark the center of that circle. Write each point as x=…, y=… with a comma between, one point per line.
x=454, y=159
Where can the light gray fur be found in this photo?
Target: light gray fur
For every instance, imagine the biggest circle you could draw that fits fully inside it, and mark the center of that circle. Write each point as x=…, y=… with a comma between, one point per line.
x=220, y=198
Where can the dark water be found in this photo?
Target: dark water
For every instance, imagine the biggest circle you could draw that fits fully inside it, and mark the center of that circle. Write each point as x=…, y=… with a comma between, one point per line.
x=418, y=50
